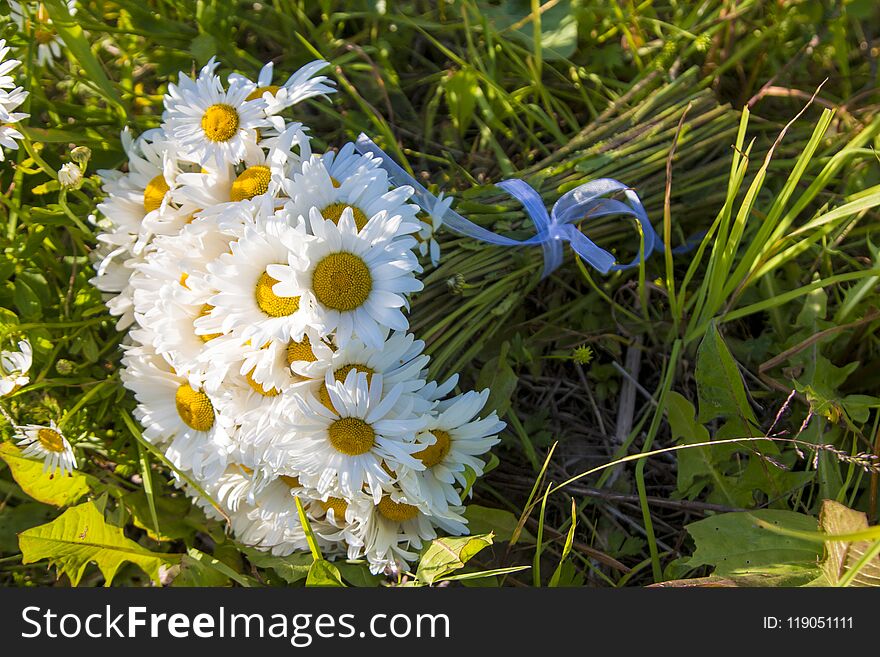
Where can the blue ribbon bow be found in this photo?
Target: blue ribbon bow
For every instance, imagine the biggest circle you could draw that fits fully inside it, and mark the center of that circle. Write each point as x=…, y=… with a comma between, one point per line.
x=553, y=229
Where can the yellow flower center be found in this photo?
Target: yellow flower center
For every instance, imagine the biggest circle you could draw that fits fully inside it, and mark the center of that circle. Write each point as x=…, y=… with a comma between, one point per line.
x=270, y=303
x=206, y=310
x=154, y=193
x=292, y=482
x=256, y=94
x=397, y=511
x=339, y=506
x=220, y=122
x=333, y=212
x=342, y=281
x=258, y=387
x=351, y=436
x=251, y=182
x=340, y=375
x=434, y=454
x=51, y=440
x=194, y=408
x=301, y=350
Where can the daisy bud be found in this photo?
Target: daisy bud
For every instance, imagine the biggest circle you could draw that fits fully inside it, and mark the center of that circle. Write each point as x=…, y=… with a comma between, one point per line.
x=81, y=155
x=70, y=176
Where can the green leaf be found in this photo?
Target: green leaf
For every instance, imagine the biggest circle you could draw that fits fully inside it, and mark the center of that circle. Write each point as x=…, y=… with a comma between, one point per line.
x=71, y=33
x=293, y=568
x=719, y=383
x=45, y=487
x=842, y=557
x=735, y=541
x=559, y=25
x=323, y=573
x=15, y=519
x=358, y=574
x=26, y=300
x=499, y=377
x=446, y=555
x=461, y=89
x=203, y=47
x=193, y=572
x=500, y=523
x=80, y=536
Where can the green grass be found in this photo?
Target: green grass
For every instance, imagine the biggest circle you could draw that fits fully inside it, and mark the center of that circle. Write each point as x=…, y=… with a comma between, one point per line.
x=779, y=297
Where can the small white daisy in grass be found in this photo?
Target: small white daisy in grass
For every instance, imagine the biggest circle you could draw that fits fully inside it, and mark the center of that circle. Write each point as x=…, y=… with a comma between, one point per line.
x=211, y=125
x=11, y=98
x=303, y=84
x=334, y=182
x=33, y=18
x=452, y=442
x=48, y=445
x=357, y=281
x=356, y=446
x=14, y=368
x=249, y=299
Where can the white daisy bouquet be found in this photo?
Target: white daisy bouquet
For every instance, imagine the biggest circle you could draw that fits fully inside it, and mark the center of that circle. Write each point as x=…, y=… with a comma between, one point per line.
x=265, y=290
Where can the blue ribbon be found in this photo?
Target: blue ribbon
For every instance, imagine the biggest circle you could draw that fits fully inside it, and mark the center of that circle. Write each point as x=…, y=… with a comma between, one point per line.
x=553, y=229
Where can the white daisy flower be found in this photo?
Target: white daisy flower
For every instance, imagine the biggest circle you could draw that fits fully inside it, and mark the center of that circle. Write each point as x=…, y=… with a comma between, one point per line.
x=334, y=182
x=391, y=532
x=359, y=444
x=357, y=281
x=212, y=126
x=249, y=300
x=301, y=85
x=34, y=15
x=14, y=368
x=265, y=169
x=398, y=360
x=171, y=411
x=451, y=442
x=11, y=97
x=47, y=444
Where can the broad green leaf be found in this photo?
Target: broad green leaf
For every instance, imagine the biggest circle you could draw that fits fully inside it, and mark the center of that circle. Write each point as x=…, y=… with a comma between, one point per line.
x=501, y=523
x=45, y=487
x=358, y=574
x=15, y=519
x=719, y=383
x=293, y=568
x=499, y=377
x=841, y=557
x=696, y=466
x=461, y=88
x=80, y=536
x=194, y=572
x=559, y=25
x=446, y=555
x=323, y=573
x=735, y=541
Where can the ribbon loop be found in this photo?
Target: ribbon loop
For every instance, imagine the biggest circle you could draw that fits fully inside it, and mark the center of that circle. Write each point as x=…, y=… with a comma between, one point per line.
x=586, y=201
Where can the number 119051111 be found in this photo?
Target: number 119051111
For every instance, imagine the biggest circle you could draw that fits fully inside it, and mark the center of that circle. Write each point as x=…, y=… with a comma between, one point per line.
x=808, y=623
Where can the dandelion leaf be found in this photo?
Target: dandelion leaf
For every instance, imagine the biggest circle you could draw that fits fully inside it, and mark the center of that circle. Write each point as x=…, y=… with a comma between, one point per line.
x=80, y=536
x=59, y=489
